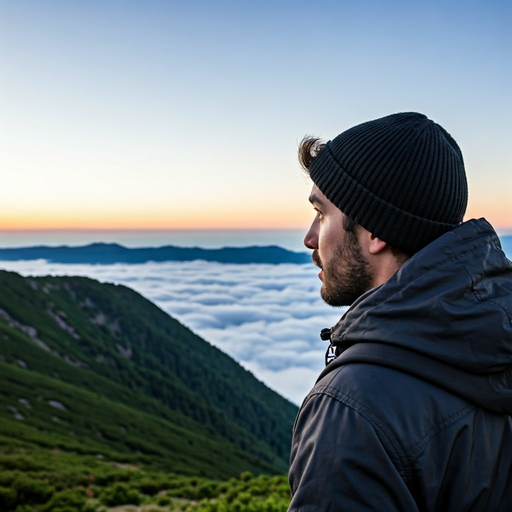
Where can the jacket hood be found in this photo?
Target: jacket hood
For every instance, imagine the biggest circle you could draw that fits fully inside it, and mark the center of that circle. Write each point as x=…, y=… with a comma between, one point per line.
x=450, y=306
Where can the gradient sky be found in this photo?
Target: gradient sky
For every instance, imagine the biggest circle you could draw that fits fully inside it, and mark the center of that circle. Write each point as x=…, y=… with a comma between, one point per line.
x=166, y=114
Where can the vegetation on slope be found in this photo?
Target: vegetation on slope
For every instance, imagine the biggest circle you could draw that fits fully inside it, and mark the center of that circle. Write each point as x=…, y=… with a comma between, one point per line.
x=96, y=369
x=55, y=481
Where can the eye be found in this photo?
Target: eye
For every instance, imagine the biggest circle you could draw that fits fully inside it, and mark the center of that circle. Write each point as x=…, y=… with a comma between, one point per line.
x=319, y=214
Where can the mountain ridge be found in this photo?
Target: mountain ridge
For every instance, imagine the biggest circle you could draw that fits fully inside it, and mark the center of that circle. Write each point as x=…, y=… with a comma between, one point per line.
x=73, y=336
x=108, y=253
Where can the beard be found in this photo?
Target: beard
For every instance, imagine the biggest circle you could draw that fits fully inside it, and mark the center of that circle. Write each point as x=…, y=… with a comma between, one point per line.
x=347, y=275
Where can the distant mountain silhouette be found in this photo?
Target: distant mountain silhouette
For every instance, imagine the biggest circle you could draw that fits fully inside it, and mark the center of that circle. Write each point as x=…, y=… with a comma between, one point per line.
x=103, y=253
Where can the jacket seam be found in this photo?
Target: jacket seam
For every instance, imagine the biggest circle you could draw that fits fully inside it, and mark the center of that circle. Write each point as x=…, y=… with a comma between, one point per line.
x=420, y=445
x=406, y=456
x=374, y=420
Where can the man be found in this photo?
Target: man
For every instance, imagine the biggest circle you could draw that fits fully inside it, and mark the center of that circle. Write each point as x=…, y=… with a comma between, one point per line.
x=412, y=410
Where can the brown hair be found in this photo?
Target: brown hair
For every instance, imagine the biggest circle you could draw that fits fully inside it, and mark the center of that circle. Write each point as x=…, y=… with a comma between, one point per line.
x=309, y=147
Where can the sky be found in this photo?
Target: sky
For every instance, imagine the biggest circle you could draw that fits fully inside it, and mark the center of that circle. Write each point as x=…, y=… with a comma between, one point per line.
x=123, y=114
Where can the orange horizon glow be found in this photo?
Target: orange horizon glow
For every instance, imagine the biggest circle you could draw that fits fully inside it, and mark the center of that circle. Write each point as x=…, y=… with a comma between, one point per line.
x=499, y=220
x=218, y=221
x=97, y=223
x=292, y=215
x=149, y=227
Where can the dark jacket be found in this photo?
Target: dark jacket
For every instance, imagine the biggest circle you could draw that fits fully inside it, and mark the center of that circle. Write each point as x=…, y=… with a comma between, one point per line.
x=413, y=414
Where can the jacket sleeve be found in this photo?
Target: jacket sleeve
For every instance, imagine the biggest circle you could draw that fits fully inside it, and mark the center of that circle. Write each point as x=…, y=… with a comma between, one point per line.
x=339, y=462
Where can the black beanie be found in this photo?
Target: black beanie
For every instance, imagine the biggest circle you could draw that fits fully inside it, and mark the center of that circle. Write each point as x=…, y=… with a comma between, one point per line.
x=401, y=177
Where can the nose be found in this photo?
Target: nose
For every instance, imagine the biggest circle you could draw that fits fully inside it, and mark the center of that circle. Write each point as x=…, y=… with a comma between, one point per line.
x=311, y=238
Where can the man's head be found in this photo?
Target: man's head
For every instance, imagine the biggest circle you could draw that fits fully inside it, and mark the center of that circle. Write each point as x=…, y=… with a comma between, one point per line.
x=397, y=182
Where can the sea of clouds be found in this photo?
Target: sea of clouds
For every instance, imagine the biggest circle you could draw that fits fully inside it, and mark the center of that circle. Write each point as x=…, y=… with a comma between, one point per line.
x=267, y=317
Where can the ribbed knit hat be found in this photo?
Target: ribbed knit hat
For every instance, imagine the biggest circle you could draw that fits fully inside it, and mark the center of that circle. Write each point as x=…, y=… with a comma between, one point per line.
x=401, y=177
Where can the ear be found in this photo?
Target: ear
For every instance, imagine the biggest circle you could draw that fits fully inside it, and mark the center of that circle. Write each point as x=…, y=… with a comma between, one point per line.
x=376, y=245
x=369, y=242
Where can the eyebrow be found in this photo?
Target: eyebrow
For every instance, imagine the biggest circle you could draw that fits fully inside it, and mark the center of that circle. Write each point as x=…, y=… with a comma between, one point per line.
x=313, y=198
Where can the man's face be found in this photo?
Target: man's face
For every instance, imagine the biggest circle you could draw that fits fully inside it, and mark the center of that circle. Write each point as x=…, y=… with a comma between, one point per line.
x=345, y=272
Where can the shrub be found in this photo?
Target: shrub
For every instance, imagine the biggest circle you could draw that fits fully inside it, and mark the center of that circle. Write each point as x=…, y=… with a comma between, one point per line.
x=24, y=508
x=259, y=489
x=65, y=501
x=164, y=501
x=107, y=477
x=245, y=498
x=8, y=477
x=207, y=490
x=30, y=490
x=246, y=476
x=151, y=485
x=212, y=506
x=188, y=492
x=222, y=487
x=238, y=506
x=273, y=504
x=7, y=498
x=120, y=494
x=21, y=463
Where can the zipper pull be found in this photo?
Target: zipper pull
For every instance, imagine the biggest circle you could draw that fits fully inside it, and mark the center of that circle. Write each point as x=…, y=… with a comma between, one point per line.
x=330, y=354
x=325, y=334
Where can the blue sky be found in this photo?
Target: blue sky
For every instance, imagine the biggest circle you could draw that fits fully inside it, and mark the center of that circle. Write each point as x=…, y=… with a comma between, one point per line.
x=187, y=114
x=153, y=114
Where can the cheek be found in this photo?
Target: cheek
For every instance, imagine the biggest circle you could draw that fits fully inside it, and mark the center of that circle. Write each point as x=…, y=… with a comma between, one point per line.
x=327, y=237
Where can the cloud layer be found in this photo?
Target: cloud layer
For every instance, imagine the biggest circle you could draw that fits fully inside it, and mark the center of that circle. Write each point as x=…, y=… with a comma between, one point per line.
x=267, y=317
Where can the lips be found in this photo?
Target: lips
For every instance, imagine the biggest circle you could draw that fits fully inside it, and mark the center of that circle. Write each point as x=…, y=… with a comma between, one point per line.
x=318, y=262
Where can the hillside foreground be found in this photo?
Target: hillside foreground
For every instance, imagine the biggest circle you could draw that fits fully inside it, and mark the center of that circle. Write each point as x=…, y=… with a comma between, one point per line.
x=106, y=401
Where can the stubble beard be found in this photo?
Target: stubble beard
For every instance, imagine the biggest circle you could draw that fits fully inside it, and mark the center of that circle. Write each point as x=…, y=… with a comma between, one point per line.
x=347, y=275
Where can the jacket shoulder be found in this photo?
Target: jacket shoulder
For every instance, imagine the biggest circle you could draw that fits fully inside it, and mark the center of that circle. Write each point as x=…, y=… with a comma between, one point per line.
x=338, y=454
x=416, y=434
x=406, y=409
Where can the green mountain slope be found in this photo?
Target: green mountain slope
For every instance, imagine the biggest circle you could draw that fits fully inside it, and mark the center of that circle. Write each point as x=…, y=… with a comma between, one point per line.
x=97, y=369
